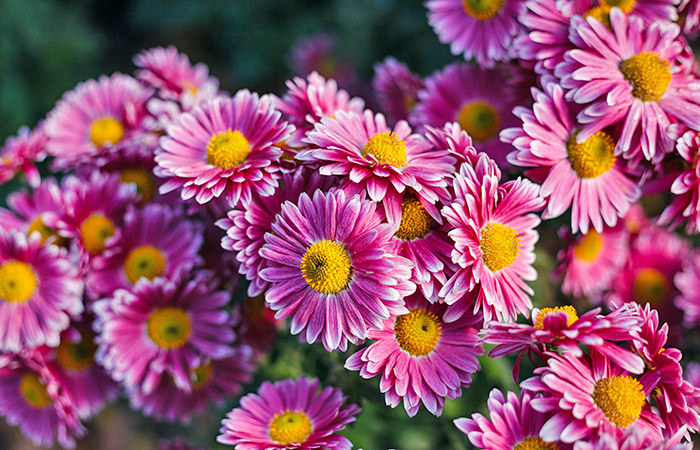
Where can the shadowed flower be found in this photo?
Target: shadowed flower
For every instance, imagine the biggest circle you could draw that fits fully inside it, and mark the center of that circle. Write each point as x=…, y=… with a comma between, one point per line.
x=396, y=88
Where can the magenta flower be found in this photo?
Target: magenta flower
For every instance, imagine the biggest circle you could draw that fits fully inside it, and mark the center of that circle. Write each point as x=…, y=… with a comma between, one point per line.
x=421, y=358
x=685, y=206
x=452, y=139
x=687, y=281
x=21, y=152
x=289, y=414
x=396, y=88
x=330, y=268
x=690, y=12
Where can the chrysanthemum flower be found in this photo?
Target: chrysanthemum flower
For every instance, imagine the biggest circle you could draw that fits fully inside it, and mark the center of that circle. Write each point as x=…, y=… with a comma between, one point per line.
x=396, y=88
x=95, y=119
x=21, y=152
x=34, y=211
x=225, y=146
x=161, y=328
x=588, y=396
x=585, y=176
x=289, y=414
x=483, y=30
x=419, y=357
x=464, y=94
x=40, y=291
x=35, y=401
x=592, y=260
x=513, y=424
x=629, y=75
x=494, y=240
x=154, y=241
x=685, y=205
x=331, y=269
x=453, y=139
x=690, y=12
x=383, y=162
x=687, y=281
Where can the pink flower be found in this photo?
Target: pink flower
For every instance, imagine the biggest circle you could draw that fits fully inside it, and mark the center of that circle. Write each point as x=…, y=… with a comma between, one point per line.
x=685, y=206
x=396, y=88
x=21, y=152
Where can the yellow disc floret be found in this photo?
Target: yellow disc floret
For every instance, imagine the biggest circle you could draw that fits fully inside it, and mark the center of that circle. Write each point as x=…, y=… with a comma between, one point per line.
x=482, y=9
x=571, y=315
x=415, y=220
x=94, y=231
x=145, y=185
x=600, y=13
x=535, y=443
x=650, y=286
x=45, y=232
x=228, y=149
x=326, y=266
x=588, y=247
x=107, y=130
x=625, y=5
x=621, y=398
x=648, y=74
x=418, y=332
x=76, y=356
x=480, y=120
x=387, y=148
x=17, y=282
x=169, y=327
x=593, y=157
x=500, y=246
x=145, y=261
x=34, y=392
x=290, y=427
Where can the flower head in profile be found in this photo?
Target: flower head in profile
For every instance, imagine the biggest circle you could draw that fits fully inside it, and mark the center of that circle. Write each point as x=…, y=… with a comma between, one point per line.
x=396, y=88
x=685, y=206
x=21, y=153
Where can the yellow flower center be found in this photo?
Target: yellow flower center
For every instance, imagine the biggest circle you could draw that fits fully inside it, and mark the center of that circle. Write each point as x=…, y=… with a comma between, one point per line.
x=202, y=375
x=145, y=261
x=415, y=220
x=480, y=120
x=593, y=157
x=648, y=74
x=326, y=266
x=94, y=231
x=228, y=149
x=34, y=392
x=535, y=443
x=45, y=232
x=500, y=245
x=650, y=286
x=625, y=5
x=76, y=356
x=145, y=185
x=571, y=315
x=387, y=147
x=107, y=130
x=482, y=9
x=418, y=332
x=621, y=398
x=169, y=327
x=17, y=282
x=589, y=246
x=289, y=427
x=600, y=13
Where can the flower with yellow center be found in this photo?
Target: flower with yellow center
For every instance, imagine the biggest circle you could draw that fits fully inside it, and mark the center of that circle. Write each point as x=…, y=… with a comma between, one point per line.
x=499, y=246
x=17, y=281
x=106, y=130
x=94, y=231
x=290, y=427
x=418, y=332
x=415, y=220
x=76, y=356
x=588, y=248
x=145, y=185
x=535, y=443
x=593, y=157
x=326, y=266
x=571, y=316
x=34, y=392
x=480, y=120
x=228, y=149
x=650, y=286
x=625, y=5
x=621, y=398
x=648, y=74
x=387, y=148
x=169, y=327
x=482, y=9
x=145, y=261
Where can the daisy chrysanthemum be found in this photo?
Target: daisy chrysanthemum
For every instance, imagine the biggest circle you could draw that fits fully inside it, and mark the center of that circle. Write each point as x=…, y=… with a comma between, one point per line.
x=685, y=206
x=629, y=75
x=380, y=161
x=223, y=147
x=21, y=153
x=40, y=291
x=584, y=176
x=396, y=88
x=289, y=414
x=419, y=357
x=330, y=269
x=454, y=140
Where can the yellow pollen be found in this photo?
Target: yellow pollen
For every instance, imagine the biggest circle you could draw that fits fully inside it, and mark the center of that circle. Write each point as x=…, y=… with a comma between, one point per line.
x=480, y=120
x=415, y=220
x=145, y=261
x=588, y=247
x=648, y=74
x=107, y=130
x=202, y=375
x=387, y=147
x=228, y=149
x=17, y=282
x=621, y=398
x=625, y=5
x=145, y=185
x=326, y=266
x=482, y=9
x=571, y=315
x=500, y=246
x=592, y=158
x=535, y=443
x=169, y=327
x=76, y=356
x=45, y=232
x=289, y=427
x=601, y=14
x=650, y=286
x=34, y=392
x=94, y=231
x=418, y=332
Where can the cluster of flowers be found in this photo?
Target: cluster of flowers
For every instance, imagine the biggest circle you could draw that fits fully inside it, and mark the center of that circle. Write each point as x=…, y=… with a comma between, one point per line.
x=409, y=229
